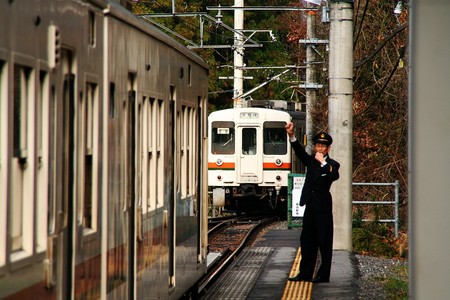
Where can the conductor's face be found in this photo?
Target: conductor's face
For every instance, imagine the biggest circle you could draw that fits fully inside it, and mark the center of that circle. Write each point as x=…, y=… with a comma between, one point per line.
x=321, y=148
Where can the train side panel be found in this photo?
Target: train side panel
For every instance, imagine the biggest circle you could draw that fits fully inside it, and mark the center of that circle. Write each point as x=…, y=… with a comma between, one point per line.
x=53, y=250
x=167, y=215
x=102, y=127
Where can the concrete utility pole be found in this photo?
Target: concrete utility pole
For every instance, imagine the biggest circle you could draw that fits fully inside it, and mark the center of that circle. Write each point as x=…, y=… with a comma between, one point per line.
x=238, y=54
x=311, y=93
x=340, y=117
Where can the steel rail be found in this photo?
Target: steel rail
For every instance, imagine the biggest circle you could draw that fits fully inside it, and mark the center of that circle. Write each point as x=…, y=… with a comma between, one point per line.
x=210, y=277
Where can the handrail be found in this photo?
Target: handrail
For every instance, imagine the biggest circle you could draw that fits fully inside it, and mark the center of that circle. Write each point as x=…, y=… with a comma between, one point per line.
x=394, y=202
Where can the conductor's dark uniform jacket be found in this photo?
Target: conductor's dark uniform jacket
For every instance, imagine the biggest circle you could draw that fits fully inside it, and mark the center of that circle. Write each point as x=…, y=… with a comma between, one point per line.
x=316, y=190
x=317, y=232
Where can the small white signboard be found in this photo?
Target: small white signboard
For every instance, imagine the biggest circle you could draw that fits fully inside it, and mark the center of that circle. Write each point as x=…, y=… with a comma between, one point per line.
x=298, y=182
x=297, y=210
x=297, y=186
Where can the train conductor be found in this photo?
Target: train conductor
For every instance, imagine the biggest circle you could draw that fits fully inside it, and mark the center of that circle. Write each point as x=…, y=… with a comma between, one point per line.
x=317, y=231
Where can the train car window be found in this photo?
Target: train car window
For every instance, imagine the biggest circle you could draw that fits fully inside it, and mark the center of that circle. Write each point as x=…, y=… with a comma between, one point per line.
x=181, y=72
x=249, y=144
x=112, y=100
x=275, y=138
x=42, y=168
x=39, y=111
x=92, y=29
x=203, y=118
x=223, y=138
x=3, y=146
x=189, y=75
x=183, y=145
x=192, y=149
x=188, y=130
x=21, y=90
x=144, y=153
x=90, y=140
x=21, y=227
x=160, y=128
x=53, y=116
x=150, y=124
x=152, y=154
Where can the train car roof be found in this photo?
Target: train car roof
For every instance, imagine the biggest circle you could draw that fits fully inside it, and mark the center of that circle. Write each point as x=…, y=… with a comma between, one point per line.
x=118, y=11
x=231, y=113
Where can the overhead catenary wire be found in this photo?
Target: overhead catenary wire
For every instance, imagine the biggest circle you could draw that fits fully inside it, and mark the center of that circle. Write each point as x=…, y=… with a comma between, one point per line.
x=361, y=23
x=380, y=46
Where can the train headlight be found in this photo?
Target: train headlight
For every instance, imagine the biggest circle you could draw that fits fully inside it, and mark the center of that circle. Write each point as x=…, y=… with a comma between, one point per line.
x=278, y=162
x=278, y=177
x=219, y=162
x=219, y=177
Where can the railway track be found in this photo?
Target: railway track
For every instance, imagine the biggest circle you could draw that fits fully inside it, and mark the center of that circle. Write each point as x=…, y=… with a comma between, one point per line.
x=228, y=237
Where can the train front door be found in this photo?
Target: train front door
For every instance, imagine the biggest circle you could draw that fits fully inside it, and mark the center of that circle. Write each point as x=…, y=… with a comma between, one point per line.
x=249, y=155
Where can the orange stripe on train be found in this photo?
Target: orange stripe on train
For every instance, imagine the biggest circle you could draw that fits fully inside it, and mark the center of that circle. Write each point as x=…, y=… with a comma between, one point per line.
x=283, y=166
x=231, y=165
x=225, y=165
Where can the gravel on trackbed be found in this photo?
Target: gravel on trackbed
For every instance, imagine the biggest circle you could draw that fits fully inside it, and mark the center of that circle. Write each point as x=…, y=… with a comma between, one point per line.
x=373, y=272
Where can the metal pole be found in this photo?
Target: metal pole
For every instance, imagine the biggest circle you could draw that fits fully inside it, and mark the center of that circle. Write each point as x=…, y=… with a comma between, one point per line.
x=340, y=117
x=238, y=53
x=310, y=78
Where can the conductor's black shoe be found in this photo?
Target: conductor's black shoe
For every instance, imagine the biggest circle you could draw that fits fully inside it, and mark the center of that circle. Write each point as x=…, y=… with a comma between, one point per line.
x=298, y=278
x=320, y=280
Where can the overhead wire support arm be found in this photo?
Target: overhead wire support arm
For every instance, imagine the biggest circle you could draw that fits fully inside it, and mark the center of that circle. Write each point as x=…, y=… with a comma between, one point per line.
x=262, y=8
x=313, y=41
x=273, y=67
x=202, y=16
x=239, y=32
x=262, y=84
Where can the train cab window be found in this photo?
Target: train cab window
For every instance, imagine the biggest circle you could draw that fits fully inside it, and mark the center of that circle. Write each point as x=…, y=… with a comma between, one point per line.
x=249, y=141
x=223, y=138
x=275, y=138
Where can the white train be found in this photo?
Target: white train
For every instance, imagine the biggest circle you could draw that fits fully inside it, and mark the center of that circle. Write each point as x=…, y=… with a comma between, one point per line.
x=102, y=129
x=250, y=157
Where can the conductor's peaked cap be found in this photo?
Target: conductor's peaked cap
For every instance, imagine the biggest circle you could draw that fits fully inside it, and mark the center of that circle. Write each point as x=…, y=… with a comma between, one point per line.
x=323, y=138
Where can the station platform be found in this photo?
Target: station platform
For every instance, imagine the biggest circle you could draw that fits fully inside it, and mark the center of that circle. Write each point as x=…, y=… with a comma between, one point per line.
x=262, y=271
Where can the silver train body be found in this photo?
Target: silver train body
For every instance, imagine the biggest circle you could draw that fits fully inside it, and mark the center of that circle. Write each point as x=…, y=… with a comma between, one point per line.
x=250, y=156
x=102, y=130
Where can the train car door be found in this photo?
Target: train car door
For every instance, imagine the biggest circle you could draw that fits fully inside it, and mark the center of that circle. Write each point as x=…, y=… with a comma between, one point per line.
x=64, y=169
x=131, y=137
x=249, y=154
x=172, y=134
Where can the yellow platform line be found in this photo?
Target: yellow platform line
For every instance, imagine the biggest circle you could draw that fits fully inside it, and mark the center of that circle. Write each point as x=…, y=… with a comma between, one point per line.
x=297, y=289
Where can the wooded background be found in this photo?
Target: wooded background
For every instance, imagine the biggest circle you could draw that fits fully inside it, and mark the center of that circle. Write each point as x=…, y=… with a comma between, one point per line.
x=380, y=99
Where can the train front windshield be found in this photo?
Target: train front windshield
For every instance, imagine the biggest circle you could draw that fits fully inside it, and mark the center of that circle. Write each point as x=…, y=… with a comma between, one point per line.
x=222, y=141
x=275, y=138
